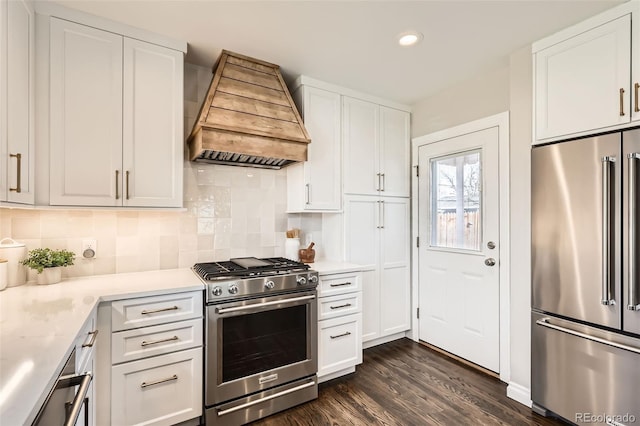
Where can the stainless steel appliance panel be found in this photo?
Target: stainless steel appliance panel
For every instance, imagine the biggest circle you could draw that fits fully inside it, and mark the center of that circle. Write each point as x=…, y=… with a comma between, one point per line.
x=584, y=374
x=631, y=234
x=264, y=347
x=576, y=210
x=262, y=404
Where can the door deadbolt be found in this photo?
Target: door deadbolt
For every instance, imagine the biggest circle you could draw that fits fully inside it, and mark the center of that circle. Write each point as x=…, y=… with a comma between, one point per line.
x=491, y=245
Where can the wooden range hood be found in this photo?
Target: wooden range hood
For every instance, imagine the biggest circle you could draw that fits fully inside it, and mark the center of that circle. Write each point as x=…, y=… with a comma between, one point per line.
x=248, y=117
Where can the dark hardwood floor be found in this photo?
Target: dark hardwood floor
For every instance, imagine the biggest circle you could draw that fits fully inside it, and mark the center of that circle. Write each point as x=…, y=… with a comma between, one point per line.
x=405, y=383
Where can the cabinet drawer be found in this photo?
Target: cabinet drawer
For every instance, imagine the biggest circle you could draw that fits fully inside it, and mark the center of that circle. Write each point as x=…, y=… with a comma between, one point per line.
x=339, y=305
x=338, y=284
x=144, y=311
x=163, y=390
x=85, y=343
x=144, y=342
x=339, y=343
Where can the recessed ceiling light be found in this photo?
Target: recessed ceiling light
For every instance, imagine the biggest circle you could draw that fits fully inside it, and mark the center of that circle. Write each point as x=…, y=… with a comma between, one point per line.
x=409, y=38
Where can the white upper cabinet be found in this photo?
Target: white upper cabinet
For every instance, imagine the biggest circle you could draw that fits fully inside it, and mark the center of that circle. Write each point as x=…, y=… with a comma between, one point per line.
x=86, y=115
x=116, y=119
x=153, y=116
x=394, y=152
x=315, y=185
x=376, y=149
x=583, y=77
x=16, y=102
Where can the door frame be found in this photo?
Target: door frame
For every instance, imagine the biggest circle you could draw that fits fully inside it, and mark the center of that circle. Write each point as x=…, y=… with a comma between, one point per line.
x=501, y=121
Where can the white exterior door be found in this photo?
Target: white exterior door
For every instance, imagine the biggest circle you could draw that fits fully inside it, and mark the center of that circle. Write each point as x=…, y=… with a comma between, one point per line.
x=459, y=255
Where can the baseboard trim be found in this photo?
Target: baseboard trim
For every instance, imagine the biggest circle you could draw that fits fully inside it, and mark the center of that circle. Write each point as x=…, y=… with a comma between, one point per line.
x=519, y=393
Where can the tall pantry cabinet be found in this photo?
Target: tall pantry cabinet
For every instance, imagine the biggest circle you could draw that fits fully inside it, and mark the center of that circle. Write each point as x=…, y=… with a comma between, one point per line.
x=377, y=213
x=16, y=101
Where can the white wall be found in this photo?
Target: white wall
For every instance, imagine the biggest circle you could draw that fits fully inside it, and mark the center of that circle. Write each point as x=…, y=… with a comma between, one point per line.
x=506, y=88
x=486, y=94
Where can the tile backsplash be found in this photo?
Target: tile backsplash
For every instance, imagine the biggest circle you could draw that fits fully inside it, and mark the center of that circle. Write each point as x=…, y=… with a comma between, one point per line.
x=229, y=212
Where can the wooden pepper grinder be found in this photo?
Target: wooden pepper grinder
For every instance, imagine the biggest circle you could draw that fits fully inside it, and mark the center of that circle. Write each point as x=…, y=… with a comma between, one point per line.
x=307, y=255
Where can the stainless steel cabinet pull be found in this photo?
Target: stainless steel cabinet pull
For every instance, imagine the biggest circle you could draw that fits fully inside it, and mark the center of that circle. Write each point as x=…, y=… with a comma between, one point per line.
x=346, y=333
x=260, y=305
x=635, y=88
x=117, y=179
x=266, y=398
x=155, y=311
x=157, y=382
x=307, y=194
x=378, y=218
x=126, y=175
x=155, y=342
x=340, y=285
x=383, y=182
x=346, y=305
x=84, y=381
x=633, y=303
x=607, y=296
x=92, y=342
x=545, y=323
x=378, y=184
x=18, y=187
x=382, y=214
x=621, y=102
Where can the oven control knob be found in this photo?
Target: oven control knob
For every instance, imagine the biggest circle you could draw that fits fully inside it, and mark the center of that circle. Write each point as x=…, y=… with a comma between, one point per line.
x=216, y=291
x=269, y=284
x=302, y=280
x=233, y=289
x=313, y=279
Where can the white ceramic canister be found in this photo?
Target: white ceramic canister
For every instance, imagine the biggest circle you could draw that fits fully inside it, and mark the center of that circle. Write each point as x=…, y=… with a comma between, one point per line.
x=14, y=252
x=3, y=274
x=291, y=247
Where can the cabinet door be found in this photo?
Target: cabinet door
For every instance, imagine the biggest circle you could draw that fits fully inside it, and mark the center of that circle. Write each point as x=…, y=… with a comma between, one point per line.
x=85, y=115
x=362, y=238
x=578, y=82
x=322, y=171
x=361, y=146
x=395, y=285
x=19, y=98
x=153, y=129
x=394, y=152
x=339, y=344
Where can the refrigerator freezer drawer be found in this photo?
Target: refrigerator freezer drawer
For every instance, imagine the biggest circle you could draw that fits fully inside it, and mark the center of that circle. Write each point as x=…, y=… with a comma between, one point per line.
x=578, y=376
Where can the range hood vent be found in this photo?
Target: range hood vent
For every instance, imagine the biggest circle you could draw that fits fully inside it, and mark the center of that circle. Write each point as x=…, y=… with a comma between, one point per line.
x=248, y=117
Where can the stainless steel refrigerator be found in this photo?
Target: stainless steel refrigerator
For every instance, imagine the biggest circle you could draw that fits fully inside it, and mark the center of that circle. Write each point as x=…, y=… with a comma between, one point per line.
x=585, y=279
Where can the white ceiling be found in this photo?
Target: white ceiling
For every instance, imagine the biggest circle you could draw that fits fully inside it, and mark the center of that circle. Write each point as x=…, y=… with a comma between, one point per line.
x=353, y=43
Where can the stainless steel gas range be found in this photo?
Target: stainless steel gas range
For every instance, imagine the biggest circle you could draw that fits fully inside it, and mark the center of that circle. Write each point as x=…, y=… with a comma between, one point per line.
x=260, y=338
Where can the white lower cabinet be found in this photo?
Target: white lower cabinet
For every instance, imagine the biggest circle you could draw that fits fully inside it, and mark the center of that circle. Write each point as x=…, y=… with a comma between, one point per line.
x=339, y=324
x=154, y=357
x=162, y=390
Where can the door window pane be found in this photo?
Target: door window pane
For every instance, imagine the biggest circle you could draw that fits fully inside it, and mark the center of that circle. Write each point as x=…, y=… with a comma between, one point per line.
x=456, y=201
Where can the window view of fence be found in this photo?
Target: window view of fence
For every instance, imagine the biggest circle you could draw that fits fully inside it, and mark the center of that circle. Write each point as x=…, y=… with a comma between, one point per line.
x=456, y=220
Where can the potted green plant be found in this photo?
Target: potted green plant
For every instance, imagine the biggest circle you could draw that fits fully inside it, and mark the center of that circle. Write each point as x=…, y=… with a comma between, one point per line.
x=48, y=263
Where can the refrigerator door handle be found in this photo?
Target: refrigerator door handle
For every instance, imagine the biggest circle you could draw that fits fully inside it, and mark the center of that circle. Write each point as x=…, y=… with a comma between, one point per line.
x=607, y=293
x=545, y=323
x=633, y=304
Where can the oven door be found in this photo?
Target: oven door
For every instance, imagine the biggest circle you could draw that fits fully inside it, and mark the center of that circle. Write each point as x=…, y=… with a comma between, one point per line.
x=256, y=344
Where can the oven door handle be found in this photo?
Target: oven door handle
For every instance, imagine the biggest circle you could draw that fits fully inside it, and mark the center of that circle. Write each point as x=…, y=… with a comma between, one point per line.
x=266, y=398
x=260, y=305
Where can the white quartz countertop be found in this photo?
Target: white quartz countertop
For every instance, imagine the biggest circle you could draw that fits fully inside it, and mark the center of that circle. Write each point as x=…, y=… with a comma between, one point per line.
x=334, y=267
x=38, y=325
